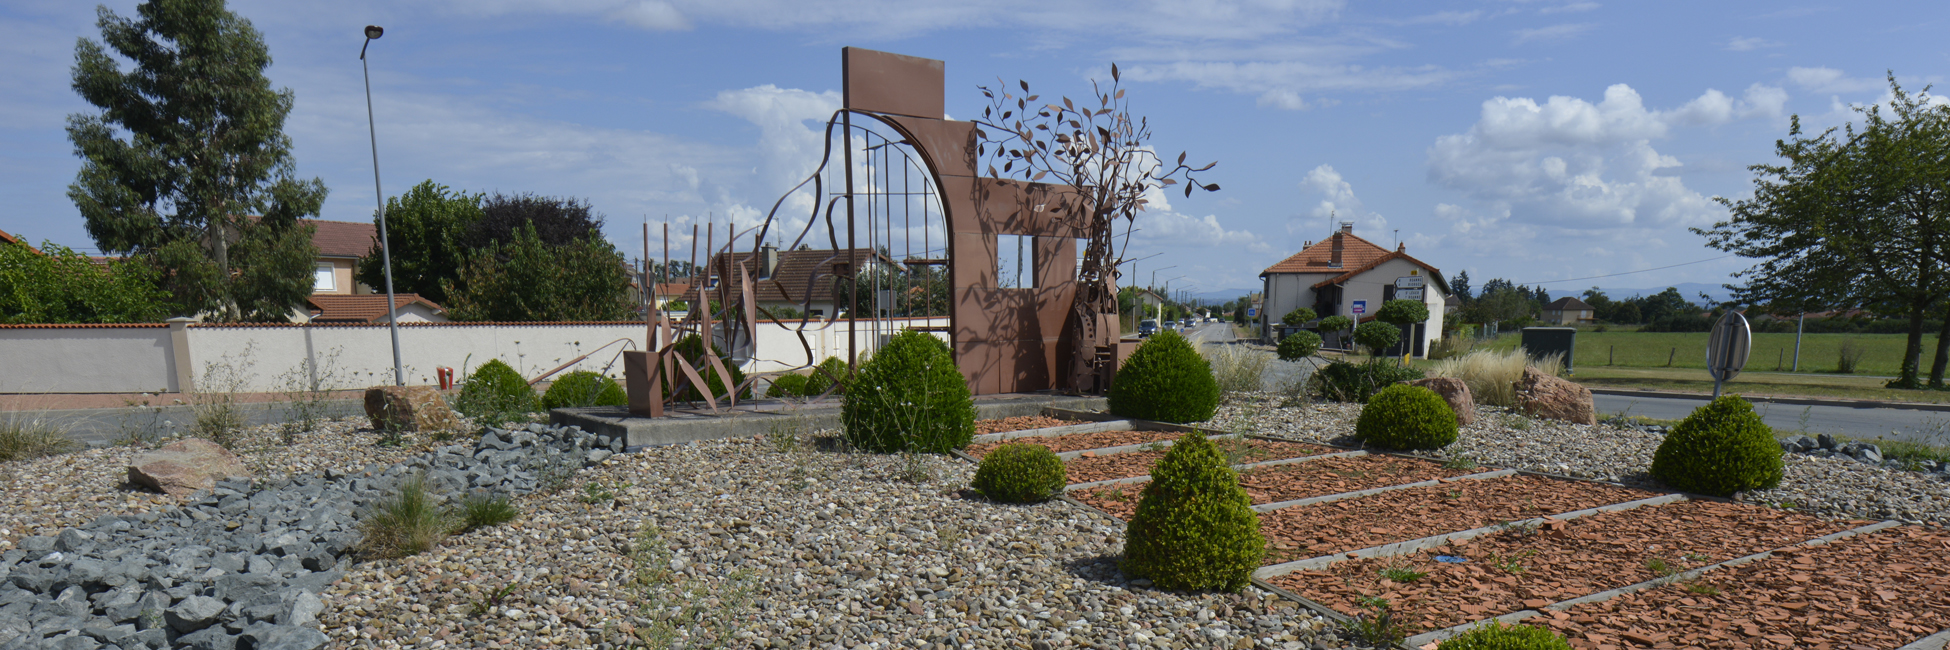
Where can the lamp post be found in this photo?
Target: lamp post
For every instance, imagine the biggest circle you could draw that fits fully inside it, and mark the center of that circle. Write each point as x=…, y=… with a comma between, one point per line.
x=385, y=250
x=1154, y=291
x=1167, y=292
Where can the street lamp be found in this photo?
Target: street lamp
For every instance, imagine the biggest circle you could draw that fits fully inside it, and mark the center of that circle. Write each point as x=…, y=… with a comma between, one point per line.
x=1154, y=290
x=1167, y=292
x=385, y=251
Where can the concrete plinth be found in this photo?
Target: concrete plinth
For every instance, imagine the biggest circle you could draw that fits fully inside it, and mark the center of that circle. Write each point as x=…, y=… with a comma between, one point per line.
x=757, y=417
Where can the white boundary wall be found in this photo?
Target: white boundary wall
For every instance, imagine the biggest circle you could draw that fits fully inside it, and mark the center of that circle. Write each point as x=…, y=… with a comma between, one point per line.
x=149, y=358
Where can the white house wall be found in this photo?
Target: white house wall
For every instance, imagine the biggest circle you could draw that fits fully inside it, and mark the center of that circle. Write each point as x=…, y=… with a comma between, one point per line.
x=1286, y=292
x=1368, y=286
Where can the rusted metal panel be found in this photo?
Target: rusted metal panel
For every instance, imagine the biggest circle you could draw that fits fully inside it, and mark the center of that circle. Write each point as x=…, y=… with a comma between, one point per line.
x=884, y=82
x=640, y=378
x=948, y=146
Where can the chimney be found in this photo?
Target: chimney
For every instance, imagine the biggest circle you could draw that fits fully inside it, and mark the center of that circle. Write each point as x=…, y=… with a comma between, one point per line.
x=768, y=261
x=1347, y=227
x=1401, y=247
x=1340, y=242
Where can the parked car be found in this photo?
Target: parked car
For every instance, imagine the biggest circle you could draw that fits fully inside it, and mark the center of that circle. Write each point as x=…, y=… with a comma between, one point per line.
x=1147, y=327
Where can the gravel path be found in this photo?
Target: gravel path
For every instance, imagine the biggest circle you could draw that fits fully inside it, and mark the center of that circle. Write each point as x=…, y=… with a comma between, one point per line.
x=1835, y=488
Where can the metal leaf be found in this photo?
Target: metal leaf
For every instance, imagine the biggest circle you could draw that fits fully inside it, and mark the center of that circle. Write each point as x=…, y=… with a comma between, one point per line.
x=1068, y=105
x=1181, y=157
x=1120, y=93
x=1039, y=176
x=1212, y=188
x=1025, y=85
x=1113, y=73
x=1188, y=191
x=1207, y=166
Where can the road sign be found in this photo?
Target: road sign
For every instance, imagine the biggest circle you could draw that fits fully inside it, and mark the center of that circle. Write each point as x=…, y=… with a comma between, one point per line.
x=1252, y=312
x=1727, y=348
x=1410, y=282
x=1408, y=294
x=1360, y=307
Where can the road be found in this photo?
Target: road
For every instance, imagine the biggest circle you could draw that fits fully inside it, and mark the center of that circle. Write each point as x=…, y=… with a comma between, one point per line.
x=1278, y=373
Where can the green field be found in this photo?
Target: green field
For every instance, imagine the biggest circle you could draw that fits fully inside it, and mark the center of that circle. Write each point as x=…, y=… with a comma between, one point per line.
x=1882, y=354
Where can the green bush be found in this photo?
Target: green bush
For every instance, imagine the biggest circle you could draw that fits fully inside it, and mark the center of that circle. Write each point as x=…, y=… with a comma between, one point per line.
x=584, y=388
x=1020, y=473
x=1195, y=528
x=830, y=371
x=1298, y=317
x=1402, y=312
x=1377, y=336
x=1165, y=380
x=909, y=397
x=1341, y=381
x=1406, y=417
x=1720, y=449
x=495, y=394
x=691, y=348
x=1494, y=635
x=787, y=385
x=1299, y=345
x=1335, y=323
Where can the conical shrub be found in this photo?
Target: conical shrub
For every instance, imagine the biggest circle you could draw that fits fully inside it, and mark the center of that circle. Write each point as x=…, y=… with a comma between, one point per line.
x=1195, y=528
x=909, y=397
x=584, y=388
x=1165, y=380
x=1720, y=449
x=494, y=393
x=1020, y=472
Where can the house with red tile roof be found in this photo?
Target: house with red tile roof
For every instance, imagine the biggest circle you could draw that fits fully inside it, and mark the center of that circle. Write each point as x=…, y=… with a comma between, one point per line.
x=1346, y=275
x=6, y=238
x=1568, y=311
x=797, y=277
x=340, y=245
x=371, y=308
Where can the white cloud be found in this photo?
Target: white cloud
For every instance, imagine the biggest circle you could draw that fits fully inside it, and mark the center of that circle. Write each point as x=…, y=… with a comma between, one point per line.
x=1286, y=99
x=654, y=15
x=1225, y=19
x=1443, y=18
x=1338, y=203
x=1830, y=80
x=1749, y=44
x=1569, y=8
x=1562, y=32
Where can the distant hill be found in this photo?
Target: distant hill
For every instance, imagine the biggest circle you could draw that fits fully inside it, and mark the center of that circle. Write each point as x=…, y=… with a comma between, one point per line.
x=1222, y=295
x=1690, y=290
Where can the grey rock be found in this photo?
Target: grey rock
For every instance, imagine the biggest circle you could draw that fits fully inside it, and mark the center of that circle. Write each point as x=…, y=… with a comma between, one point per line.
x=194, y=613
x=597, y=456
x=1827, y=441
x=209, y=638
x=282, y=637
x=37, y=544
x=300, y=608
x=1869, y=454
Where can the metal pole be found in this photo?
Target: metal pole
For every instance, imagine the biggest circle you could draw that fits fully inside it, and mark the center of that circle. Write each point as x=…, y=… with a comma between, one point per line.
x=379, y=196
x=1797, y=340
x=852, y=288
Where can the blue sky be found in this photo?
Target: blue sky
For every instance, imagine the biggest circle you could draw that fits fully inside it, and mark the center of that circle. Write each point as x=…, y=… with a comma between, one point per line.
x=1533, y=141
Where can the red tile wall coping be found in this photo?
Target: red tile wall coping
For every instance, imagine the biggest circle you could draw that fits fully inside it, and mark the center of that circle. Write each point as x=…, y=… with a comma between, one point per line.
x=1520, y=570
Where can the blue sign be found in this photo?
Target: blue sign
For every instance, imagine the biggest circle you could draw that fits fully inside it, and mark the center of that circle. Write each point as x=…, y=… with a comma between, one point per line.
x=1360, y=307
x=1252, y=312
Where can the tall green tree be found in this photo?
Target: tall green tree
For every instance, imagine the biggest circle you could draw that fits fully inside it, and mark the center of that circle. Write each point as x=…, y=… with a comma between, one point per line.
x=531, y=280
x=1855, y=217
x=58, y=285
x=188, y=146
x=427, y=229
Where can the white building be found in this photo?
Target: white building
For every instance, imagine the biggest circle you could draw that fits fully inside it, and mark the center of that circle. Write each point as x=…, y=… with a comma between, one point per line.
x=1349, y=276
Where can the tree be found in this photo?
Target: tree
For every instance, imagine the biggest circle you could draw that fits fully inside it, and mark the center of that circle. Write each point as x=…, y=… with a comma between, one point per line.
x=529, y=280
x=1377, y=336
x=1854, y=219
x=556, y=221
x=58, y=285
x=204, y=151
x=1402, y=312
x=1105, y=155
x=1297, y=317
x=426, y=228
x=1459, y=285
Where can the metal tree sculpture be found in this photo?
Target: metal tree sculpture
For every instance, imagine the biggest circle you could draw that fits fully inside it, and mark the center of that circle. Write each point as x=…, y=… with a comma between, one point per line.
x=1103, y=153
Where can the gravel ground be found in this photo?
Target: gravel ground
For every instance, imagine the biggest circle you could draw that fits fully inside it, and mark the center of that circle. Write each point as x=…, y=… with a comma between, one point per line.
x=40, y=497
x=1825, y=487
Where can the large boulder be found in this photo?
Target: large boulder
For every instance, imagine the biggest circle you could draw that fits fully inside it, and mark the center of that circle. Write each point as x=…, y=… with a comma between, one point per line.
x=1456, y=393
x=183, y=467
x=1543, y=396
x=409, y=408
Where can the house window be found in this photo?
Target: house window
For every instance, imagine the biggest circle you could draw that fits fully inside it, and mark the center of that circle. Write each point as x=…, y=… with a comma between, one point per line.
x=324, y=278
x=1015, y=266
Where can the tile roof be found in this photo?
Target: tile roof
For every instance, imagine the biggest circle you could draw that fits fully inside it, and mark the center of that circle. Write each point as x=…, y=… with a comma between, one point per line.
x=1355, y=252
x=1567, y=303
x=796, y=270
x=1434, y=273
x=10, y=239
x=363, y=308
x=344, y=239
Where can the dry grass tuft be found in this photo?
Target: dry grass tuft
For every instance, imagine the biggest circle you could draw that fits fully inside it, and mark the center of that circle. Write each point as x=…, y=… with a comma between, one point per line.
x=1238, y=369
x=1492, y=376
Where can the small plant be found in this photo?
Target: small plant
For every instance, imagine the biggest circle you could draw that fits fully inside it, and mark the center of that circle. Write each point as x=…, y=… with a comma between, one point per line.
x=829, y=373
x=307, y=390
x=1020, y=473
x=1702, y=589
x=1697, y=558
x=787, y=385
x=1516, y=422
x=495, y=394
x=949, y=535
x=1373, y=602
x=595, y=492
x=1165, y=380
x=485, y=605
x=1378, y=626
x=482, y=510
x=213, y=397
x=27, y=438
x=1849, y=357
x=1517, y=529
x=916, y=467
x=1236, y=368
x=1491, y=375
x=1459, y=462
x=1495, y=635
x=673, y=607
x=1402, y=572
x=1239, y=451
x=553, y=472
x=909, y=397
x=1720, y=449
x=785, y=435
x=407, y=522
x=1406, y=417
x=584, y=388
x=1341, y=381
x=1660, y=568
x=1514, y=564
x=1195, y=528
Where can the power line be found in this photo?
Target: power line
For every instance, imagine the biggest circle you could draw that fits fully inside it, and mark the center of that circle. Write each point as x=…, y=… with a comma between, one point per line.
x=1610, y=275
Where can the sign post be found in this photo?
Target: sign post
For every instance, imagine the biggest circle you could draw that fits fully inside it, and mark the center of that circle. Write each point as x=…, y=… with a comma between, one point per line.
x=1410, y=282
x=1727, y=348
x=1360, y=307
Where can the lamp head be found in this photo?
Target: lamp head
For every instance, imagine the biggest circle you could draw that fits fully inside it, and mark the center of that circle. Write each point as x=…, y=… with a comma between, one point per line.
x=374, y=31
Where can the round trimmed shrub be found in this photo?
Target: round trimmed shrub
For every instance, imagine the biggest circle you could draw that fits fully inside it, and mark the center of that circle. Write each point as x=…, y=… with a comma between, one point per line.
x=1299, y=345
x=584, y=388
x=828, y=372
x=692, y=349
x=1195, y=528
x=1720, y=449
x=787, y=385
x=909, y=396
x=496, y=392
x=1494, y=635
x=1377, y=336
x=1402, y=312
x=1165, y=380
x=1020, y=472
x=1335, y=323
x=1297, y=317
x=1406, y=417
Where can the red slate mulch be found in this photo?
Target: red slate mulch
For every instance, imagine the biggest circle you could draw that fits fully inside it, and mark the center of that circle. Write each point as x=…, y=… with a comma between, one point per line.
x=1413, y=513
x=1020, y=423
x=1138, y=463
x=1880, y=590
x=1296, y=481
x=1077, y=441
x=1519, y=570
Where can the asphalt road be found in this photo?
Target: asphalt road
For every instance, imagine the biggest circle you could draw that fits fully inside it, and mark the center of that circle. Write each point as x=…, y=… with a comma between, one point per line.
x=1860, y=422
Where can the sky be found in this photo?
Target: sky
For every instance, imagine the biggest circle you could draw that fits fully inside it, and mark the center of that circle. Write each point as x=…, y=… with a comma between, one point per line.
x=1544, y=142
